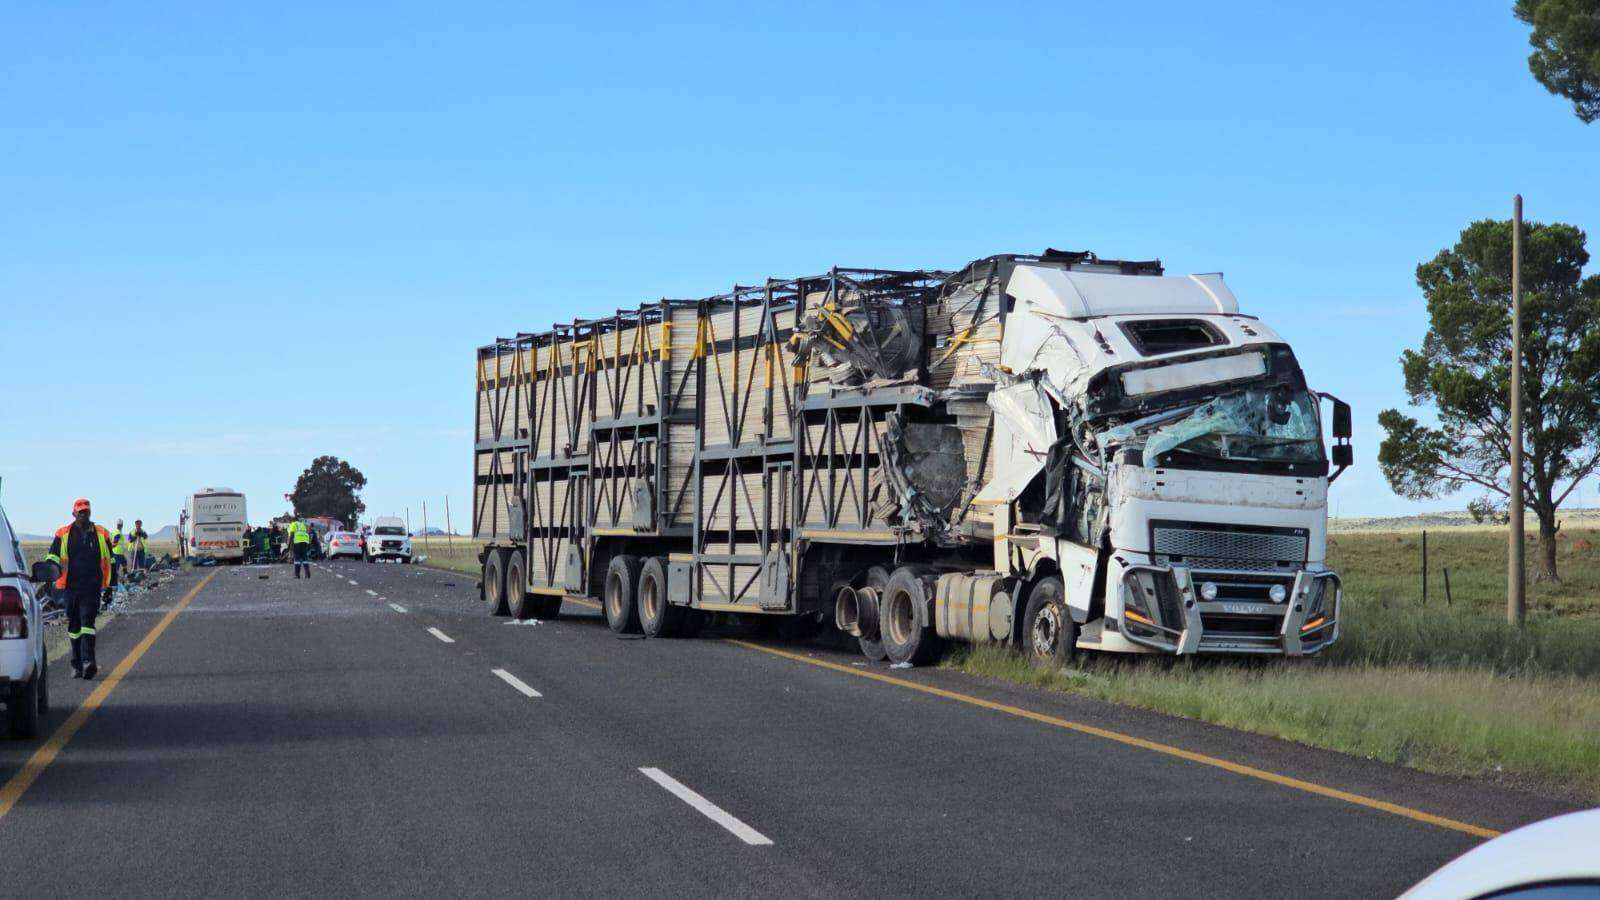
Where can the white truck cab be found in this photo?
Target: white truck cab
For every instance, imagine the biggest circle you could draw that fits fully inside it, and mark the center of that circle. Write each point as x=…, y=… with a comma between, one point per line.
x=389, y=540
x=24, y=666
x=1184, y=500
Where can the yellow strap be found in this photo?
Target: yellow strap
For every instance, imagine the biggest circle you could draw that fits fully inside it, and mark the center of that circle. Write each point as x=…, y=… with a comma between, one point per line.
x=964, y=337
x=666, y=340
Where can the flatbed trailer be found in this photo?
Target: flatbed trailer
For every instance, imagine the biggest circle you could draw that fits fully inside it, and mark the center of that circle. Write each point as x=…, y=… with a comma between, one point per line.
x=874, y=449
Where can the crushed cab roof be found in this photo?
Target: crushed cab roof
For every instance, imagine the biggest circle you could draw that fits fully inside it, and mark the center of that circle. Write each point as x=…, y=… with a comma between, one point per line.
x=1053, y=291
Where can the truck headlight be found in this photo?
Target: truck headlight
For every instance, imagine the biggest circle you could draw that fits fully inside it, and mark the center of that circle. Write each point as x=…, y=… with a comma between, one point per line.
x=1278, y=593
x=1208, y=591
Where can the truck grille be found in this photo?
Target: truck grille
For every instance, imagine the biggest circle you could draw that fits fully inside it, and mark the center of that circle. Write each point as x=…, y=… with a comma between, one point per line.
x=1238, y=548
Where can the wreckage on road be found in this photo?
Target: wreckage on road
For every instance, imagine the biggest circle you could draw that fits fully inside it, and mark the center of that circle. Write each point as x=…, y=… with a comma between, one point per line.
x=1058, y=452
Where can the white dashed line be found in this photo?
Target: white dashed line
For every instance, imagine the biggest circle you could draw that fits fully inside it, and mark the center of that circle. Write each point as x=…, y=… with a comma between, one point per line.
x=708, y=809
x=441, y=635
x=397, y=607
x=372, y=592
x=351, y=580
x=516, y=682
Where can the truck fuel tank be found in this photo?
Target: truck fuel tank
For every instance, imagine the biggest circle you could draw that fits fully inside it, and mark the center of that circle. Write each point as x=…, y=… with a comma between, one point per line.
x=973, y=606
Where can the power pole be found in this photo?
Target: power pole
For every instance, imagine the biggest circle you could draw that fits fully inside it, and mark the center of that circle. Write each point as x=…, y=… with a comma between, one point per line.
x=449, y=533
x=1516, y=587
x=425, y=524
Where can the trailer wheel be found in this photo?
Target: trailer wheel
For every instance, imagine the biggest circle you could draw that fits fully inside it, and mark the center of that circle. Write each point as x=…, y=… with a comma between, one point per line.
x=876, y=578
x=657, y=617
x=621, y=598
x=906, y=638
x=494, y=583
x=1049, y=636
x=519, y=601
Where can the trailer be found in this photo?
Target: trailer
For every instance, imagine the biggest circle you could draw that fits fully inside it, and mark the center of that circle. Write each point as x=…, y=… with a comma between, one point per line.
x=1057, y=452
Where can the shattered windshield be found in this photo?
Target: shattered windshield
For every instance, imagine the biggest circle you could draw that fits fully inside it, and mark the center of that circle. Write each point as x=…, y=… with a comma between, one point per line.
x=1274, y=424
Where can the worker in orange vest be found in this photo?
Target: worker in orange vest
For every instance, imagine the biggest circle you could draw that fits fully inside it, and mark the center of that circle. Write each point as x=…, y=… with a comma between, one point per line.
x=82, y=551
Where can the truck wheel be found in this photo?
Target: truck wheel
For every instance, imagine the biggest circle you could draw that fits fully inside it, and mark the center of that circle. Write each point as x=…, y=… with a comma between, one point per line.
x=519, y=601
x=657, y=617
x=1049, y=636
x=621, y=599
x=876, y=578
x=494, y=583
x=904, y=604
x=23, y=709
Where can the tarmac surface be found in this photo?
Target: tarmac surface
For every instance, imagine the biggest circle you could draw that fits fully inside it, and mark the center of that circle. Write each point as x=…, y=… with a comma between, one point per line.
x=374, y=732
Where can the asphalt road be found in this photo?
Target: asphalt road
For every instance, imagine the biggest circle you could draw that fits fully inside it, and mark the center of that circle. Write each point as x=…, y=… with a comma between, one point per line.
x=350, y=736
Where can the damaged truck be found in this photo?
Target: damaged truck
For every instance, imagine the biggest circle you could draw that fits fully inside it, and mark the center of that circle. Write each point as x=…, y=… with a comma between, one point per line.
x=1055, y=452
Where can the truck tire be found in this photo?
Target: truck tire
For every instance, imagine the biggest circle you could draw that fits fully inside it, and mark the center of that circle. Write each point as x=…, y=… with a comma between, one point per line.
x=1049, y=636
x=657, y=617
x=494, y=583
x=519, y=601
x=876, y=578
x=22, y=708
x=906, y=638
x=621, y=599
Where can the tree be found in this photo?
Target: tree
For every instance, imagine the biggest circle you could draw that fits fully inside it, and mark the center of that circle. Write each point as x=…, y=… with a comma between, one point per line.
x=329, y=487
x=1464, y=371
x=1566, y=50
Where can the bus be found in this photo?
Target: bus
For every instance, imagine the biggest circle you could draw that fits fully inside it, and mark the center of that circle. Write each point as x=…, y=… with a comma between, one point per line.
x=216, y=522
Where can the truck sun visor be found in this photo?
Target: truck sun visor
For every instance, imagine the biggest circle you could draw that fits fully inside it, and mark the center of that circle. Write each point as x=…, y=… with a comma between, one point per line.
x=1178, y=376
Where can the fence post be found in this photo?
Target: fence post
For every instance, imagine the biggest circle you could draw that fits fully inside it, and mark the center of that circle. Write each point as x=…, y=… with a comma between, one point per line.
x=1447, y=599
x=1424, y=567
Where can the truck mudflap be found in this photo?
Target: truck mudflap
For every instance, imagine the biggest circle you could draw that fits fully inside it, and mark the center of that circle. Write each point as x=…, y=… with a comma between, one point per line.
x=1165, y=611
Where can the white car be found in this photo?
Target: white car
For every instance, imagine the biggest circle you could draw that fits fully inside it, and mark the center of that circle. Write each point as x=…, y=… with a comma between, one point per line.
x=341, y=543
x=24, y=669
x=1554, y=859
x=389, y=540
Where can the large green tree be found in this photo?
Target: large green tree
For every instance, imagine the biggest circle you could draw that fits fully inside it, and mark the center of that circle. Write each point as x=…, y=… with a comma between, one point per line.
x=1566, y=50
x=1463, y=371
x=330, y=487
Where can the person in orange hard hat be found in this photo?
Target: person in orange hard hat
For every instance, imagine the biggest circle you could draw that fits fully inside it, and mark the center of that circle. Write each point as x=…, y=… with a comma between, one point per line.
x=82, y=551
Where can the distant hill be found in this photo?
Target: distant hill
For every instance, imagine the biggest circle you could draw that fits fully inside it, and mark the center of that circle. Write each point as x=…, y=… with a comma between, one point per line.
x=432, y=531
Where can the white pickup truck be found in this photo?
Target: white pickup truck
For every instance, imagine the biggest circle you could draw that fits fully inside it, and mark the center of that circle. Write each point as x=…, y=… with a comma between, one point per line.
x=24, y=666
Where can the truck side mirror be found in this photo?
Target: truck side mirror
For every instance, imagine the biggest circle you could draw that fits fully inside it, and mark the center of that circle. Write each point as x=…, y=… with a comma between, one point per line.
x=44, y=572
x=1341, y=454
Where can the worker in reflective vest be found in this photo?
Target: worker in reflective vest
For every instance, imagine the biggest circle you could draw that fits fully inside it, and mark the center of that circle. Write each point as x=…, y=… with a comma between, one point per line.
x=119, y=550
x=83, y=552
x=300, y=546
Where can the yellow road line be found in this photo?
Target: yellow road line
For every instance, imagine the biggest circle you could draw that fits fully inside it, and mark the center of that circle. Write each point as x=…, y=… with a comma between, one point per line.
x=1131, y=741
x=47, y=753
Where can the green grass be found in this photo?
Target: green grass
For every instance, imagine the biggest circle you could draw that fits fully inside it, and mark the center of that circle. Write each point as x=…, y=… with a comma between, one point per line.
x=1445, y=688
x=457, y=554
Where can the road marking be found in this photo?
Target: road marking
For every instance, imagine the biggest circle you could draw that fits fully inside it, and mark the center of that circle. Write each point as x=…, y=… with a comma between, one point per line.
x=441, y=635
x=372, y=592
x=351, y=580
x=52, y=747
x=1128, y=739
x=708, y=809
x=397, y=607
x=516, y=682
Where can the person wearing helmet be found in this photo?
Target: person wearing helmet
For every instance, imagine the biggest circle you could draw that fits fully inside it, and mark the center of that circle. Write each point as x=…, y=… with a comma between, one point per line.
x=82, y=551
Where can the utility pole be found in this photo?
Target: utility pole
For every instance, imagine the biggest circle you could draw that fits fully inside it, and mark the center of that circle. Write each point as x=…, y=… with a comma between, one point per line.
x=449, y=533
x=425, y=525
x=1516, y=587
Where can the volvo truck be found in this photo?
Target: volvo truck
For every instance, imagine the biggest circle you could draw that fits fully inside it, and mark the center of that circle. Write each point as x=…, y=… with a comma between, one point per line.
x=1057, y=452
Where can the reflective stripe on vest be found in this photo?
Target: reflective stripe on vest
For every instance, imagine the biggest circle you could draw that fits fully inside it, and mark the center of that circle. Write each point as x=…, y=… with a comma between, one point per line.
x=65, y=536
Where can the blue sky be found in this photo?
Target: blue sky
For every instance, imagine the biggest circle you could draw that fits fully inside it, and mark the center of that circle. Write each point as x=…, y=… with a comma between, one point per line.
x=220, y=221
